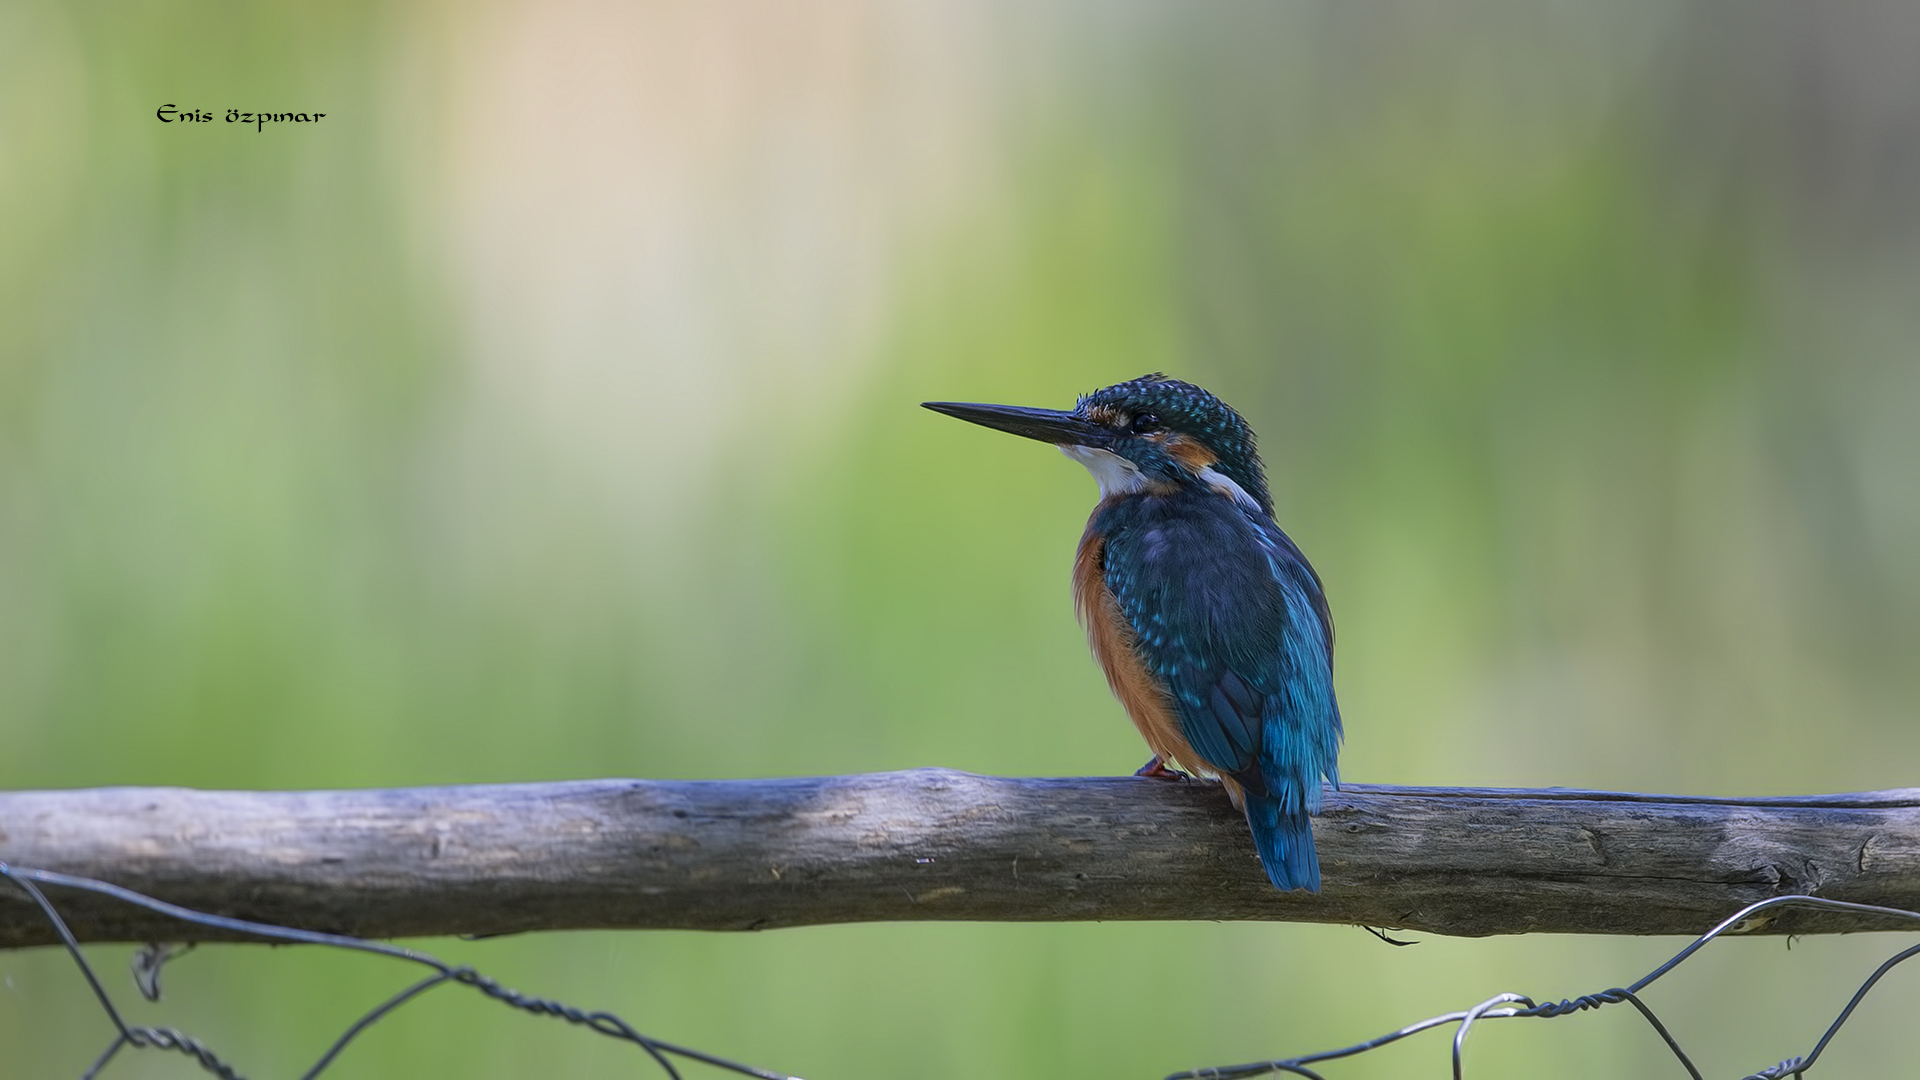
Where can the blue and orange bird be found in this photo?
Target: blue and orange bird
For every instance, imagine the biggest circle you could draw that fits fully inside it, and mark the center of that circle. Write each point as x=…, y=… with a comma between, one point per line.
x=1212, y=628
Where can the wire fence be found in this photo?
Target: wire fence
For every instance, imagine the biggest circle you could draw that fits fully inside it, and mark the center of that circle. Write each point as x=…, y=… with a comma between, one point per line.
x=1508, y=1006
x=148, y=962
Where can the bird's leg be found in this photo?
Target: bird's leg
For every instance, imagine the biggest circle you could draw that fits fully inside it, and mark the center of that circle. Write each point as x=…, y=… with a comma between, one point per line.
x=1156, y=769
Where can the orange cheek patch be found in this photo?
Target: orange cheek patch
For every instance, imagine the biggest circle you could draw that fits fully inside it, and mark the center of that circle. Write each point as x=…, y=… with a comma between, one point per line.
x=1190, y=454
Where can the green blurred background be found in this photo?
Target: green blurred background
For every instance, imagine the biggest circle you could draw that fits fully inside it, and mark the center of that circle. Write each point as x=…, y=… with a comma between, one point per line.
x=550, y=411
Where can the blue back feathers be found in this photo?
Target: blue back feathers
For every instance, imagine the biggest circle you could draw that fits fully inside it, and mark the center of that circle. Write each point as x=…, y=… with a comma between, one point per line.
x=1231, y=620
x=1222, y=614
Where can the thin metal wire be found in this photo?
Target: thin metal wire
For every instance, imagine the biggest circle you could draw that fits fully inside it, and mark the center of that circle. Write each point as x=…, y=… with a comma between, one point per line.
x=368, y=1020
x=1485, y=1008
x=148, y=963
x=1490, y=1010
x=30, y=880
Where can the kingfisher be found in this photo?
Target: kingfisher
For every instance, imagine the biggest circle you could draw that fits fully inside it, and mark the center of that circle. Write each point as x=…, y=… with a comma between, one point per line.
x=1211, y=626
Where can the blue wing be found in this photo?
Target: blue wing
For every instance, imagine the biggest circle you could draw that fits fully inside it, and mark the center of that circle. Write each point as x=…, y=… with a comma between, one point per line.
x=1231, y=619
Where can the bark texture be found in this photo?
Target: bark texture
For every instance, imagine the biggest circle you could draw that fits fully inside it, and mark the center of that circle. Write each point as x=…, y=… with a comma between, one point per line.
x=934, y=844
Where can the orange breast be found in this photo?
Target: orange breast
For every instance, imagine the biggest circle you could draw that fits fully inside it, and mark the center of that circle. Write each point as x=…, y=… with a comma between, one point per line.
x=1112, y=639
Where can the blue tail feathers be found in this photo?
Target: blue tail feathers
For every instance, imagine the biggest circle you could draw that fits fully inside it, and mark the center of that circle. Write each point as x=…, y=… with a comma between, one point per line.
x=1285, y=843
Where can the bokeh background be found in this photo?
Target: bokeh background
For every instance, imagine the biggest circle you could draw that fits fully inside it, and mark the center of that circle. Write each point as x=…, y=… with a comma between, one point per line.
x=550, y=411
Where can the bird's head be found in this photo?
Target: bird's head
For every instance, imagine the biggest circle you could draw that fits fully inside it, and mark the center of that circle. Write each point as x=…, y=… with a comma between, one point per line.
x=1148, y=434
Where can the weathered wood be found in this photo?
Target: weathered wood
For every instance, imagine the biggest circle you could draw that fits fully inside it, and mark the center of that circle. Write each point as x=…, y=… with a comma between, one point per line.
x=934, y=844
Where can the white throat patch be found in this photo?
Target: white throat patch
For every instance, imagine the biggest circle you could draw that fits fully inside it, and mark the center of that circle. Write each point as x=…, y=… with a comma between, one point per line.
x=1115, y=474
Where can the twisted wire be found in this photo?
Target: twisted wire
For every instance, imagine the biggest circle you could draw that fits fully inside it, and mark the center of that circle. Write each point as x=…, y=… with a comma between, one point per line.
x=662, y=1053
x=147, y=977
x=1508, y=1006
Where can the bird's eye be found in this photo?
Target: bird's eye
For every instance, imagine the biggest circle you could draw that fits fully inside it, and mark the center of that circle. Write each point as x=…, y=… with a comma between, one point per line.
x=1144, y=424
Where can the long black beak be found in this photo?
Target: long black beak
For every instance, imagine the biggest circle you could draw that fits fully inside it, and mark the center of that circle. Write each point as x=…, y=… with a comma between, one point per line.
x=1046, y=425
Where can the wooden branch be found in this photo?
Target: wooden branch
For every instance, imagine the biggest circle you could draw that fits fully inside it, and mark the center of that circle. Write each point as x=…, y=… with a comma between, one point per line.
x=938, y=844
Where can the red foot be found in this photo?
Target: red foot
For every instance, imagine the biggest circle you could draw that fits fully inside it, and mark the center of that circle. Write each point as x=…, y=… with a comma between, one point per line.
x=1157, y=770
